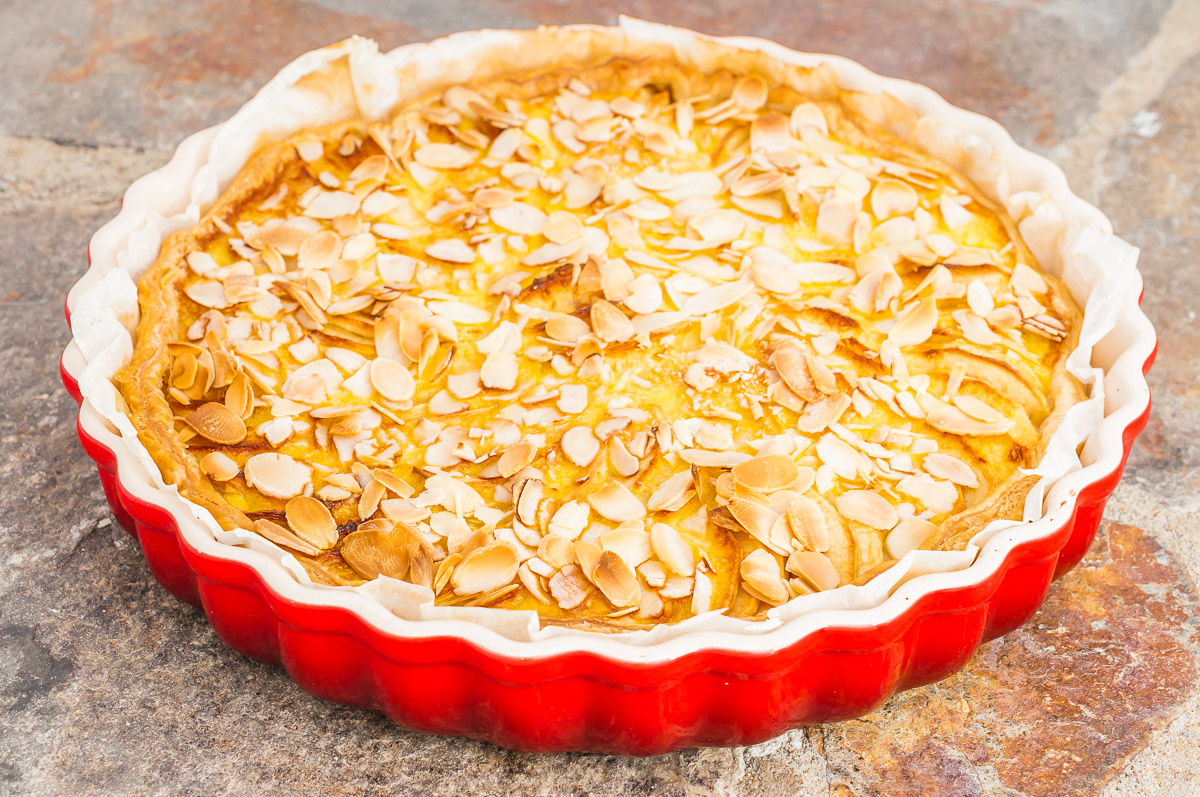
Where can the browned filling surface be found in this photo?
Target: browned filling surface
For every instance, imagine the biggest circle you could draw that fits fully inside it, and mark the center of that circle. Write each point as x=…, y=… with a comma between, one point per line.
x=617, y=345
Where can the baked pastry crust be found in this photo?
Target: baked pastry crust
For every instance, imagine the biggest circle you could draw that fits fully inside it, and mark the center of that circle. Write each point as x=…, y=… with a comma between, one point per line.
x=812, y=377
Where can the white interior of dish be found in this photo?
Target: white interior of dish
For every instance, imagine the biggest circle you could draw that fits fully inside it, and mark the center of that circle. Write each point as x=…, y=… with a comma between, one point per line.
x=1070, y=238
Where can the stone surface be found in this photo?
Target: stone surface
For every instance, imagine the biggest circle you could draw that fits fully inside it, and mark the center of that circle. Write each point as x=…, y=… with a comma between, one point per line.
x=110, y=686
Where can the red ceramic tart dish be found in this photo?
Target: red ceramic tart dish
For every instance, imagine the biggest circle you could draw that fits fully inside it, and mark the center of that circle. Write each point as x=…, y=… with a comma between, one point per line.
x=622, y=339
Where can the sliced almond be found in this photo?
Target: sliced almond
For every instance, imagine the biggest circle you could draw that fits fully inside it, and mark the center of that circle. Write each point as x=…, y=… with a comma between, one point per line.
x=277, y=475
x=621, y=460
x=757, y=518
x=790, y=360
x=484, y=569
x=580, y=445
x=219, y=466
x=766, y=473
x=815, y=568
x=569, y=588
x=955, y=421
x=311, y=520
x=282, y=536
x=671, y=548
x=527, y=497
x=392, y=380
x=516, y=458
x=867, y=507
x=610, y=324
x=762, y=578
x=750, y=93
x=670, y=492
x=952, y=469
x=892, y=198
x=217, y=423
x=915, y=324
x=807, y=523
x=562, y=227
x=908, y=536
x=617, y=580
x=445, y=156
x=629, y=541
x=614, y=502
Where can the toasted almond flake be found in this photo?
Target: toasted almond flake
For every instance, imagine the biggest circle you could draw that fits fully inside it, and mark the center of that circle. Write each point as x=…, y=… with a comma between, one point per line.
x=807, y=524
x=792, y=363
x=935, y=495
x=567, y=328
x=311, y=520
x=766, y=473
x=955, y=421
x=671, y=548
x=516, y=458
x=552, y=252
x=518, y=217
x=712, y=459
x=978, y=409
x=718, y=227
x=669, y=492
x=616, y=579
x=331, y=204
x=702, y=591
x=568, y=587
x=915, y=324
x=310, y=148
x=716, y=298
x=445, y=156
x=369, y=500
x=762, y=578
x=629, y=541
x=610, y=324
x=582, y=190
x=614, y=502
x=451, y=250
x=757, y=517
x=218, y=423
x=527, y=498
x=908, y=536
x=580, y=445
x=392, y=380
x=624, y=106
x=952, y=469
x=750, y=93
x=465, y=385
x=277, y=475
x=892, y=198
x=569, y=520
x=219, y=466
x=282, y=536
x=207, y=294
x=499, y=371
x=562, y=227
x=815, y=568
x=621, y=460
x=867, y=507
x=484, y=569
x=769, y=132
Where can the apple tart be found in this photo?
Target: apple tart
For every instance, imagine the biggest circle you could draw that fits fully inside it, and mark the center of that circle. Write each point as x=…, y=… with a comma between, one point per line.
x=620, y=345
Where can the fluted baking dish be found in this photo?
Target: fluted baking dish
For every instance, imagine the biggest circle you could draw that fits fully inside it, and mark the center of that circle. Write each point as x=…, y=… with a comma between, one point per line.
x=600, y=692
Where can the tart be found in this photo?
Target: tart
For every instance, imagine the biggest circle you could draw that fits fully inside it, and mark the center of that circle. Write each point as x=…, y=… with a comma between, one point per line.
x=619, y=344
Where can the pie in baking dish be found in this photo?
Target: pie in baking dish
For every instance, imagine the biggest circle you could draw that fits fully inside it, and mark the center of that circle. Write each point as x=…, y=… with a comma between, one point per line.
x=619, y=344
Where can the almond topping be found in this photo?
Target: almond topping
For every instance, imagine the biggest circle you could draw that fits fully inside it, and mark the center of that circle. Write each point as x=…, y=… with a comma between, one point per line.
x=815, y=568
x=485, y=569
x=392, y=380
x=614, y=502
x=217, y=423
x=766, y=473
x=277, y=475
x=310, y=519
x=617, y=580
x=908, y=536
x=610, y=324
x=761, y=577
x=867, y=507
x=515, y=459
